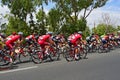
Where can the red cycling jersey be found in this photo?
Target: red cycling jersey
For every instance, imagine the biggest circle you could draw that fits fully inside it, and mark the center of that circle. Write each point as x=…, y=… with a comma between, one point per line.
x=78, y=36
x=30, y=37
x=106, y=37
x=42, y=40
x=11, y=39
x=74, y=38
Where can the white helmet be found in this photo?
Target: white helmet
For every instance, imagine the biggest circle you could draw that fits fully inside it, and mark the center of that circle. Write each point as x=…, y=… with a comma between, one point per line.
x=49, y=33
x=118, y=31
x=79, y=32
x=20, y=33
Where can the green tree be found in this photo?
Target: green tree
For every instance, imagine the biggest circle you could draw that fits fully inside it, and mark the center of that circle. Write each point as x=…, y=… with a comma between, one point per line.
x=41, y=16
x=54, y=20
x=68, y=18
x=118, y=28
x=71, y=10
x=86, y=32
x=19, y=9
x=41, y=21
x=16, y=24
x=101, y=29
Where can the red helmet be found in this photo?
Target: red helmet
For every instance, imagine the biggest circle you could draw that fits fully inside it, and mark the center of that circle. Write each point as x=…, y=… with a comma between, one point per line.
x=13, y=33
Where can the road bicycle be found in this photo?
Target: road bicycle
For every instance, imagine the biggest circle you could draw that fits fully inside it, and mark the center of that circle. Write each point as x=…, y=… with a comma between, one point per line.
x=5, y=57
x=69, y=53
x=40, y=55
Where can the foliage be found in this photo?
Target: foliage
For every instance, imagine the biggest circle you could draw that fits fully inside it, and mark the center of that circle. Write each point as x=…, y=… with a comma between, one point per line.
x=86, y=32
x=54, y=20
x=102, y=29
x=118, y=28
x=16, y=25
x=20, y=8
x=71, y=9
x=63, y=18
x=41, y=21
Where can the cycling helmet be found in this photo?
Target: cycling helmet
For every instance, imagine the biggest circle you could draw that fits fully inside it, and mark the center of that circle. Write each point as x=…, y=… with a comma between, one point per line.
x=93, y=39
x=20, y=33
x=118, y=31
x=14, y=33
x=107, y=33
x=79, y=32
x=34, y=33
x=49, y=33
x=3, y=35
x=88, y=38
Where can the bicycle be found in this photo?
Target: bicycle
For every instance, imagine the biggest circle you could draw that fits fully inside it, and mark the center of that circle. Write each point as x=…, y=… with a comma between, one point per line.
x=24, y=54
x=40, y=55
x=69, y=54
x=5, y=57
x=82, y=51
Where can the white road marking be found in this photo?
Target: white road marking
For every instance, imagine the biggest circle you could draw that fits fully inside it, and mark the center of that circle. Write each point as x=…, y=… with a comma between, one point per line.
x=21, y=69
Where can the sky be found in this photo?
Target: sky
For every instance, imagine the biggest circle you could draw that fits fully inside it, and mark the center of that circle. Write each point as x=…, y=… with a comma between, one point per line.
x=112, y=8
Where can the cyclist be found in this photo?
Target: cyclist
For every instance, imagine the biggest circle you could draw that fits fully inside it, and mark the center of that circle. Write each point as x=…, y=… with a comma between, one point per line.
x=118, y=38
x=74, y=40
x=2, y=40
x=105, y=39
x=44, y=41
x=31, y=39
x=20, y=40
x=10, y=42
x=88, y=39
x=112, y=39
x=58, y=39
x=97, y=37
x=94, y=40
x=2, y=37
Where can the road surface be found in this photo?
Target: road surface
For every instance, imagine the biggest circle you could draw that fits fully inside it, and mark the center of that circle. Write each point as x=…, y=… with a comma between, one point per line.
x=104, y=66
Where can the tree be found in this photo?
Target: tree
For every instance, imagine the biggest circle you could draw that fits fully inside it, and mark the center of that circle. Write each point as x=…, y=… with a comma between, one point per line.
x=16, y=24
x=71, y=9
x=41, y=16
x=101, y=29
x=86, y=32
x=55, y=20
x=2, y=23
x=41, y=21
x=3, y=27
x=118, y=28
x=106, y=19
x=19, y=9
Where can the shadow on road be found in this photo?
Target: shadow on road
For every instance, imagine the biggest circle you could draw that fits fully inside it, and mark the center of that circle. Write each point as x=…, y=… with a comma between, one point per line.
x=4, y=68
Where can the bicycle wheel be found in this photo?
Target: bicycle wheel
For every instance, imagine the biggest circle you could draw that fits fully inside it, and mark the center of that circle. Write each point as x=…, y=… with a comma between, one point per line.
x=69, y=55
x=87, y=48
x=37, y=57
x=5, y=60
x=25, y=56
x=100, y=49
x=55, y=54
x=83, y=53
x=94, y=48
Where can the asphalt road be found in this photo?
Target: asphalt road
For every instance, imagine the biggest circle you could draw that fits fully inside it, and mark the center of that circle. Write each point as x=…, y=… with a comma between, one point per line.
x=104, y=66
